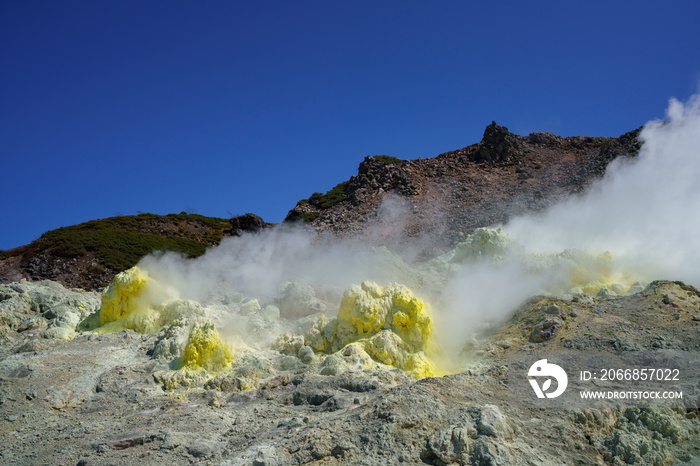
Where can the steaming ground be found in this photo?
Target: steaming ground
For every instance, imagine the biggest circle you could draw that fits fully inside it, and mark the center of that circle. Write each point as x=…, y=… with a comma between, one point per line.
x=636, y=224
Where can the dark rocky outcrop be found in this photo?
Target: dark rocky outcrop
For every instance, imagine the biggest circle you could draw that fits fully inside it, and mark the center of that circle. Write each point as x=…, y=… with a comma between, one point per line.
x=450, y=195
x=627, y=145
x=247, y=222
x=376, y=177
x=499, y=146
x=544, y=139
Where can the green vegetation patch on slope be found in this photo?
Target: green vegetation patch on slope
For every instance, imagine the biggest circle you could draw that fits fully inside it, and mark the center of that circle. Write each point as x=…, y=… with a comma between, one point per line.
x=310, y=216
x=121, y=249
x=141, y=220
x=336, y=195
x=387, y=159
x=328, y=200
x=120, y=242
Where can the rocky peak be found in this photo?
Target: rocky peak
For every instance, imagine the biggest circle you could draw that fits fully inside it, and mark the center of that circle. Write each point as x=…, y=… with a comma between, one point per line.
x=544, y=138
x=369, y=165
x=378, y=174
x=498, y=146
x=627, y=145
x=346, y=207
x=247, y=222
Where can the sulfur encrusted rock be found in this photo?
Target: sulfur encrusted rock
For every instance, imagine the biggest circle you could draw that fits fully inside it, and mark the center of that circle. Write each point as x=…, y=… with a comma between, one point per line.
x=26, y=306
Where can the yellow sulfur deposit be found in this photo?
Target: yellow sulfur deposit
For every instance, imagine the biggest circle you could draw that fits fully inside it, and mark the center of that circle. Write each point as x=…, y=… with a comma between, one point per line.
x=571, y=270
x=419, y=366
x=205, y=349
x=491, y=243
x=135, y=301
x=588, y=273
x=390, y=324
x=120, y=299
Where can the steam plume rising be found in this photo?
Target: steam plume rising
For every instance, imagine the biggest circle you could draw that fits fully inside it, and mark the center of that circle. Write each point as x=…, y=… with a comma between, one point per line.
x=644, y=211
x=259, y=264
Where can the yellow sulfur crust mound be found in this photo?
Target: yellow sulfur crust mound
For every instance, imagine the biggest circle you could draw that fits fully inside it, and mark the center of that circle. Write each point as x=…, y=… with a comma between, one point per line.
x=483, y=243
x=120, y=299
x=390, y=324
x=205, y=349
x=135, y=301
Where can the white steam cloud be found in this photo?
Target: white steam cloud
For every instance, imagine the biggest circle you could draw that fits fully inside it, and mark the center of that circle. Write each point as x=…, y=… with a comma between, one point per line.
x=644, y=211
x=258, y=265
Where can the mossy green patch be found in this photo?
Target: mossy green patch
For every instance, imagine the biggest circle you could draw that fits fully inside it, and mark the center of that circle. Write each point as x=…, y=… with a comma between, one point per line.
x=387, y=159
x=310, y=216
x=331, y=198
x=120, y=242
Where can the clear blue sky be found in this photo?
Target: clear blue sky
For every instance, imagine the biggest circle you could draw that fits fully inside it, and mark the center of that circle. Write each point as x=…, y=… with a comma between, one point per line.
x=114, y=107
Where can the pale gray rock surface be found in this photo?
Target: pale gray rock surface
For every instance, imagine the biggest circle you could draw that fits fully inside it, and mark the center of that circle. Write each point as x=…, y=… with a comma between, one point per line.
x=96, y=399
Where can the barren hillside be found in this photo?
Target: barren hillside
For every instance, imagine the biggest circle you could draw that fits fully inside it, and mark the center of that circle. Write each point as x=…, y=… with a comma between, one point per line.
x=448, y=196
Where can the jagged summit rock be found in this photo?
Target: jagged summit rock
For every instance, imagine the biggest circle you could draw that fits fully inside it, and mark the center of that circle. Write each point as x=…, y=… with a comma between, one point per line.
x=498, y=146
x=376, y=175
x=246, y=222
x=544, y=138
x=452, y=194
x=627, y=145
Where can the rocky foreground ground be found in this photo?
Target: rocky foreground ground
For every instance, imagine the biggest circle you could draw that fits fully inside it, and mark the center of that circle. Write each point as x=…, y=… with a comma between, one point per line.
x=98, y=399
